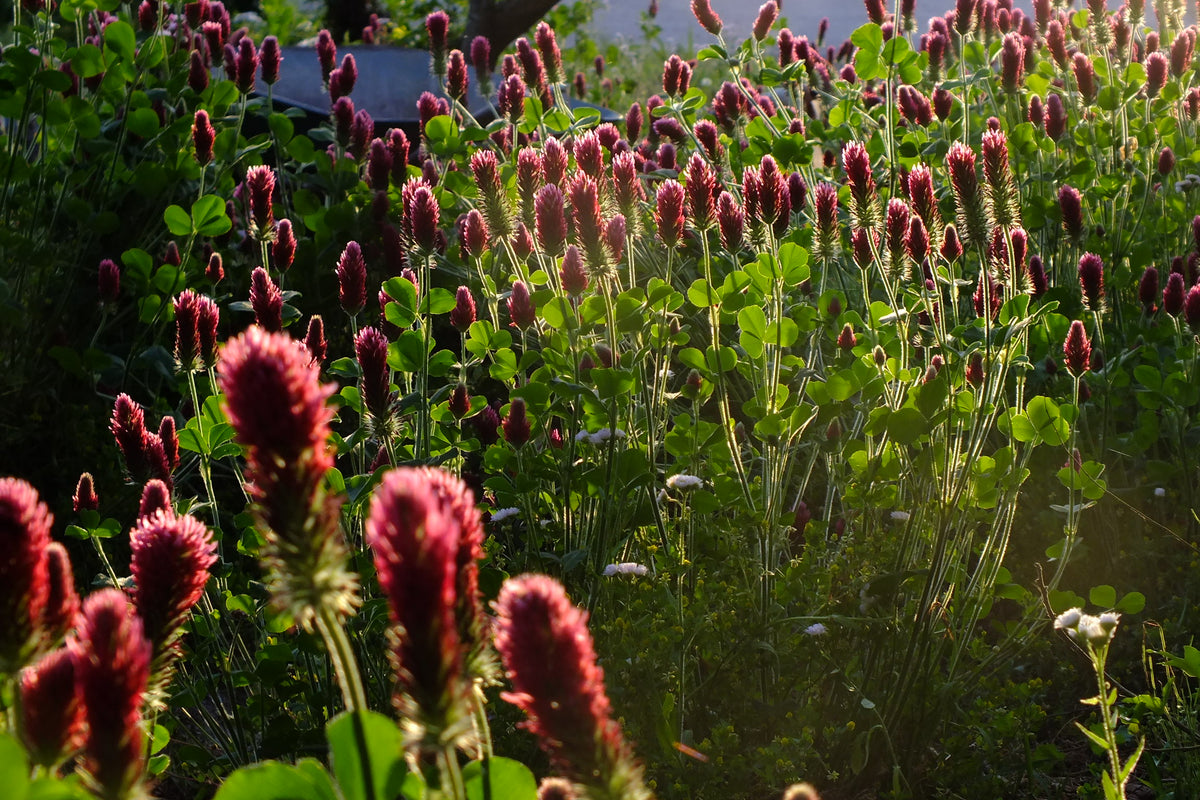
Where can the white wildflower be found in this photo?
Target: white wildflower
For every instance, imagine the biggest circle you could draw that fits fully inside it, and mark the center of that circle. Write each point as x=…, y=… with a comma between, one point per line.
x=816, y=629
x=625, y=568
x=684, y=482
x=900, y=516
x=1068, y=619
x=1160, y=492
x=501, y=514
x=579, y=437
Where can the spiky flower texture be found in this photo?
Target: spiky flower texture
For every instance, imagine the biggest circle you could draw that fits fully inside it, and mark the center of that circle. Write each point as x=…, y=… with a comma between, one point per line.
x=276, y=403
x=549, y=658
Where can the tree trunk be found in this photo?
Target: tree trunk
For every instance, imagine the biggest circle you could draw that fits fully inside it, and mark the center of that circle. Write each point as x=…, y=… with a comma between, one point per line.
x=502, y=21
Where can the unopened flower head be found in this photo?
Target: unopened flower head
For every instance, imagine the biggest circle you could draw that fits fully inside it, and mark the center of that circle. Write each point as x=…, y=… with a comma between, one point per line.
x=684, y=482
x=625, y=568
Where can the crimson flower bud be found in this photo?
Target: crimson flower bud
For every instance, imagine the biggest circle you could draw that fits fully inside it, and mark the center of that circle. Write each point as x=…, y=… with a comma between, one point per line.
x=1156, y=73
x=701, y=192
x=943, y=103
x=267, y=301
x=1091, y=280
x=573, y=275
x=588, y=156
x=1166, y=161
x=370, y=349
x=861, y=241
x=24, y=576
x=1085, y=77
x=197, y=73
x=203, y=137
x=128, y=427
x=1148, y=289
x=520, y=306
x=51, y=717
x=474, y=234
x=548, y=48
x=551, y=221
x=828, y=233
x=1070, y=205
x=1077, y=350
x=314, y=340
x=857, y=165
x=260, y=186
x=549, y=657
x=511, y=99
x=614, y=237
x=271, y=57
x=172, y=556
x=988, y=296
x=952, y=248
x=462, y=316
x=108, y=284
x=460, y=401
x=1191, y=308
x=554, y=162
x=676, y=73
x=666, y=154
x=437, y=26
x=1056, y=117
x=1037, y=277
x=423, y=213
x=731, y=221
x=352, y=279
x=708, y=19
x=326, y=53
x=517, y=427
x=1181, y=52
x=283, y=249
x=112, y=671
x=917, y=240
x=522, y=242
x=85, y=498
x=1012, y=62
x=974, y=371
x=481, y=59
x=633, y=123
x=245, y=65
x=457, y=79
x=971, y=217
x=1174, y=295
x=170, y=440
x=585, y=208
x=768, y=12
x=668, y=212
x=846, y=339
x=1192, y=103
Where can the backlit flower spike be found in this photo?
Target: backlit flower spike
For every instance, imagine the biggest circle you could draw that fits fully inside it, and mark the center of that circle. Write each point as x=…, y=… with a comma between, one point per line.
x=415, y=544
x=85, y=498
x=1077, y=350
x=352, y=279
x=971, y=215
x=51, y=717
x=549, y=659
x=171, y=560
x=708, y=19
x=266, y=299
x=276, y=403
x=1091, y=281
x=864, y=206
x=370, y=349
x=62, y=602
x=128, y=426
x=112, y=671
x=24, y=576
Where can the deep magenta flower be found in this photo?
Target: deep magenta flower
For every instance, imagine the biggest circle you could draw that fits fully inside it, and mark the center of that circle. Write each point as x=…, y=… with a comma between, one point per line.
x=156, y=496
x=1156, y=73
x=828, y=236
x=1191, y=308
x=423, y=217
x=51, y=717
x=276, y=404
x=109, y=281
x=370, y=348
x=1091, y=281
x=260, y=186
x=24, y=579
x=573, y=275
x=768, y=12
x=864, y=206
x=481, y=60
x=1148, y=289
x=85, y=498
x=62, y=603
x=968, y=199
x=415, y=537
x=172, y=556
x=437, y=26
x=550, y=219
x=1077, y=350
x=731, y=221
x=516, y=425
x=633, y=123
x=1174, y=294
x=702, y=190
x=548, y=49
x=128, y=426
x=187, y=331
x=668, y=212
x=326, y=53
x=112, y=669
x=462, y=316
x=589, y=221
x=245, y=65
x=314, y=340
x=457, y=78
x=520, y=306
x=550, y=661
x=708, y=19
x=267, y=301
x=270, y=57
x=352, y=279
x=485, y=168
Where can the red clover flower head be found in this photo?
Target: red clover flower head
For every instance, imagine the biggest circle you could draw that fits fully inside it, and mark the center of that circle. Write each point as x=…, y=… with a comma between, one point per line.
x=108, y=283
x=668, y=212
x=415, y=539
x=156, y=496
x=62, y=603
x=550, y=219
x=172, y=556
x=112, y=670
x=633, y=123
x=702, y=186
x=474, y=234
x=85, y=498
x=481, y=60
x=314, y=341
x=283, y=249
x=952, y=248
x=270, y=57
x=203, y=137
x=1070, y=204
x=550, y=660
x=520, y=306
x=128, y=426
x=554, y=162
x=1056, y=117
x=370, y=349
x=1077, y=350
x=588, y=155
x=1091, y=281
x=1148, y=289
x=51, y=717
x=1085, y=77
x=24, y=580
x=260, y=186
x=1191, y=308
x=437, y=26
x=731, y=221
x=326, y=53
x=1156, y=73
x=856, y=162
x=572, y=273
x=462, y=316
x=828, y=232
x=548, y=48
x=267, y=301
x=516, y=425
x=352, y=279
x=187, y=332
x=970, y=213
x=708, y=19
x=589, y=221
x=768, y=12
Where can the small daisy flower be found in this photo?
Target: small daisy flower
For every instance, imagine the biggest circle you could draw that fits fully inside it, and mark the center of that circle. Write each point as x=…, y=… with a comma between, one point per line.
x=816, y=629
x=625, y=568
x=501, y=514
x=684, y=482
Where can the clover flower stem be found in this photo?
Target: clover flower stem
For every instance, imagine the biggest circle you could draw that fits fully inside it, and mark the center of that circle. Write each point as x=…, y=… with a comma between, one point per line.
x=1099, y=657
x=205, y=467
x=962, y=76
x=714, y=321
x=453, y=786
x=483, y=730
x=345, y=667
x=424, y=420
